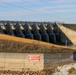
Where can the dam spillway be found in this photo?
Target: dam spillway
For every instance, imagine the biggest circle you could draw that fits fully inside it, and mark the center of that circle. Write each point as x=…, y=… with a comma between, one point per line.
x=47, y=32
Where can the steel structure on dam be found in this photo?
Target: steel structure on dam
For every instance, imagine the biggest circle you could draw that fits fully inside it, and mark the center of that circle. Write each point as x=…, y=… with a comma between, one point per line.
x=47, y=32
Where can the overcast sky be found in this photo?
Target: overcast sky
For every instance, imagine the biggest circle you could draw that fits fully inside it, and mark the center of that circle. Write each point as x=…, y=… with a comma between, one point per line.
x=38, y=10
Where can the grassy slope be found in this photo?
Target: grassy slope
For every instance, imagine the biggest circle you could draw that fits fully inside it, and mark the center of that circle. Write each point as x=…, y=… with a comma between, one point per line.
x=23, y=40
x=71, y=26
x=22, y=45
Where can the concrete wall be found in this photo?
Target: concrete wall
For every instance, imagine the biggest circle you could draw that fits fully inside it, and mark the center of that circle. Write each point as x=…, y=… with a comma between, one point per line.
x=55, y=59
x=67, y=35
x=17, y=61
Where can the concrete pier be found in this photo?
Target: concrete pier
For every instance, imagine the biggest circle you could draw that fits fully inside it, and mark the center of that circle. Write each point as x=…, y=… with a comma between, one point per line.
x=57, y=33
x=35, y=32
x=9, y=29
x=18, y=30
x=1, y=31
x=44, y=35
x=27, y=31
x=52, y=37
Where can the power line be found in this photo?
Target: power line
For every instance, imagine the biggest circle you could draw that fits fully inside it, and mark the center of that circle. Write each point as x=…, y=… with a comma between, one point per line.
x=22, y=7
x=38, y=5
x=18, y=6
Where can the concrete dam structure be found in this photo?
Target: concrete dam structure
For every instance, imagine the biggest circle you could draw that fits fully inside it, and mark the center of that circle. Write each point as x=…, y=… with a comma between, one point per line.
x=32, y=30
x=43, y=31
